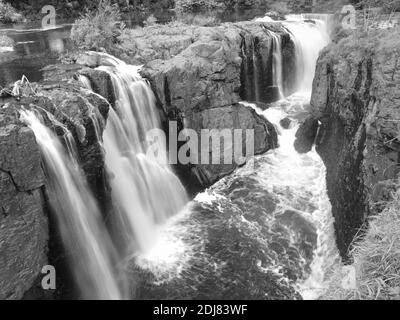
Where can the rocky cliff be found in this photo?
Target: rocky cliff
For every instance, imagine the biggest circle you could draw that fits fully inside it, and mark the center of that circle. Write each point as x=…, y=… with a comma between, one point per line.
x=200, y=74
x=356, y=99
x=24, y=210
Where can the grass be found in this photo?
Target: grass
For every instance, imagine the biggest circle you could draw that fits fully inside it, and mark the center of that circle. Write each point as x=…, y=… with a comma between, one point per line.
x=8, y=14
x=98, y=30
x=376, y=259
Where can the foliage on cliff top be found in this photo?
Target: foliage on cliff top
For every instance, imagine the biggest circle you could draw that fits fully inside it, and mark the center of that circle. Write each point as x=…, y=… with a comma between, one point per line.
x=8, y=14
x=351, y=43
x=386, y=5
x=100, y=29
x=376, y=259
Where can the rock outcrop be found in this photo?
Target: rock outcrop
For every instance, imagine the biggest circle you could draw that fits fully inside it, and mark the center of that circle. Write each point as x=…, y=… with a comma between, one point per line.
x=23, y=222
x=200, y=74
x=232, y=117
x=24, y=208
x=355, y=96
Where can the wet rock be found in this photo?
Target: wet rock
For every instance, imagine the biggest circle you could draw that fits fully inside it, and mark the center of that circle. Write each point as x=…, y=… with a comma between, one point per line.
x=305, y=136
x=285, y=123
x=23, y=223
x=230, y=118
x=100, y=82
x=24, y=226
x=355, y=96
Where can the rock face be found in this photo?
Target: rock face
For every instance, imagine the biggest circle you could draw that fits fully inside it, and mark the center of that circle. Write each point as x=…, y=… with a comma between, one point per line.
x=24, y=223
x=200, y=74
x=355, y=96
x=232, y=117
x=305, y=136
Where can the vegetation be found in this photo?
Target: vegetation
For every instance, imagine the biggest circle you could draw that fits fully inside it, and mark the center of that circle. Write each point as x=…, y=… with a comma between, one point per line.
x=100, y=29
x=196, y=5
x=376, y=260
x=5, y=41
x=8, y=14
x=388, y=6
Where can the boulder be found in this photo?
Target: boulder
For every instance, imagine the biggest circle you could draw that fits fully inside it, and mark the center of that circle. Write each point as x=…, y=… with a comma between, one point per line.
x=231, y=117
x=305, y=136
x=285, y=123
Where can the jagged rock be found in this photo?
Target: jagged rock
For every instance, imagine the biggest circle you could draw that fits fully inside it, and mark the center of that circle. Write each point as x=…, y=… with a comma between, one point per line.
x=305, y=136
x=23, y=224
x=285, y=123
x=208, y=69
x=24, y=229
x=101, y=83
x=232, y=117
x=355, y=96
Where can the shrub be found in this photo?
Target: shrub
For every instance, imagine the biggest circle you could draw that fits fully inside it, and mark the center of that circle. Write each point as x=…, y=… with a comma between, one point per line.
x=196, y=5
x=8, y=14
x=98, y=30
x=150, y=21
x=197, y=19
x=5, y=41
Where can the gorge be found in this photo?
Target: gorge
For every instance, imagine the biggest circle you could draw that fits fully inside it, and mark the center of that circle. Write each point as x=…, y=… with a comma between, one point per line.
x=79, y=190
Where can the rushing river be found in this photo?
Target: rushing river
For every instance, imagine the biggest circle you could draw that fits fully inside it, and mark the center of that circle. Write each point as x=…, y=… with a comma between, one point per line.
x=268, y=227
x=264, y=232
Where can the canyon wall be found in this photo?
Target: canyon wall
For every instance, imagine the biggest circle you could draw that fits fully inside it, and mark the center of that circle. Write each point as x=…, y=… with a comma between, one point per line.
x=356, y=99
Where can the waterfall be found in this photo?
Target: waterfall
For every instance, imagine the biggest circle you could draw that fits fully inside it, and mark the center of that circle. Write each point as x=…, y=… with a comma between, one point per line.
x=294, y=230
x=310, y=35
x=82, y=230
x=310, y=38
x=145, y=191
x=277, y=63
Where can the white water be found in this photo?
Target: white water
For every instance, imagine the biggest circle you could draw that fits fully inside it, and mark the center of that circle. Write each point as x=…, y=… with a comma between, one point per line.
x=304, y=175
x=277, y=62
x=307, y=171
x=145, y=191
x=309, y=38
x=82, y=229
x=287, y=175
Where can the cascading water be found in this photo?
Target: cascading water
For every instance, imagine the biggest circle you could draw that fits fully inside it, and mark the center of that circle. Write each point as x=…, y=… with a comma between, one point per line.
x=277, y=71
x=295, y=221
x=82, y=229
x=145, y=191
x=309, y=38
